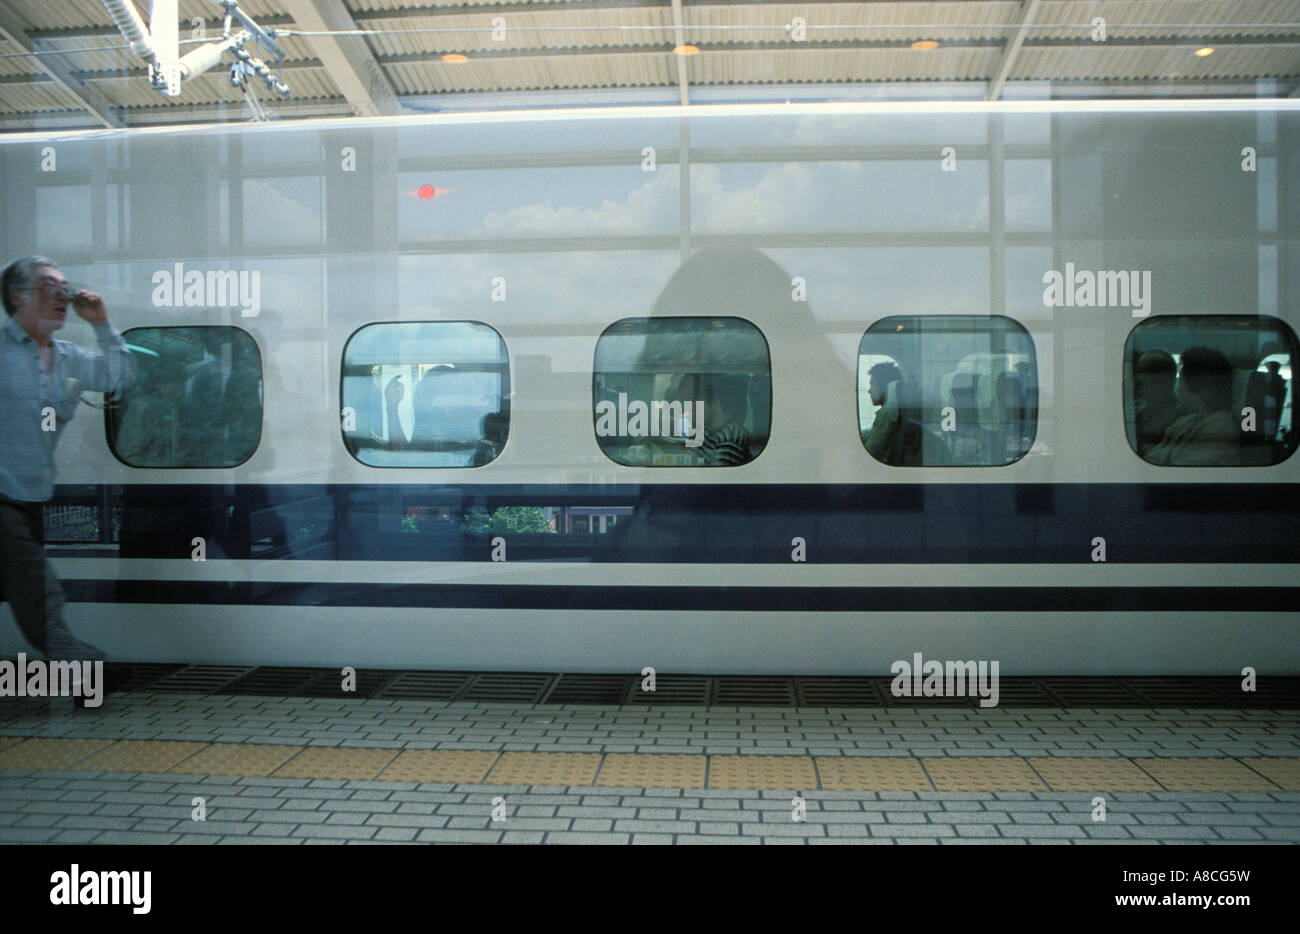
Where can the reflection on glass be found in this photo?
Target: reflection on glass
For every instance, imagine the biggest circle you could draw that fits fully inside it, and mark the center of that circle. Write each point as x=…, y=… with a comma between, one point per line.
x=947, y=390
x=1210, y=390
x=682, y=392
x=196, y=401
x=426, y=394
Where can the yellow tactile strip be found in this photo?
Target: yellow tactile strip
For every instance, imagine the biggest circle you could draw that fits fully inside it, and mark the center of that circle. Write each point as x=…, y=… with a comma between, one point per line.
x=1093, y=775
x=793, y=773
x=981, y=773
x=871, y=774
x=247, y=759
x=140, y=755
x=625, y=770
x=545, y=768
x=49, y=753
x=1205, y=775
x=453, y=766
x=330, y=762
x=1286, y=772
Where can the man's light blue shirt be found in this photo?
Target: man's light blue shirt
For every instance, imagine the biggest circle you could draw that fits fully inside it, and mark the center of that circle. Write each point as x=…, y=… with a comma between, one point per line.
x=28, y=396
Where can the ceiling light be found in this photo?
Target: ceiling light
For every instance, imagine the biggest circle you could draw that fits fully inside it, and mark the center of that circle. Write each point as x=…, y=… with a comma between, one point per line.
x=686, y=50
x=455, y=58
x=925, y=45
x=1204, y=51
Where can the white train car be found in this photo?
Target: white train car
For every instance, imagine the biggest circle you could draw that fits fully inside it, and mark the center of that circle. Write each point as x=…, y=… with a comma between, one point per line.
x=800, y=389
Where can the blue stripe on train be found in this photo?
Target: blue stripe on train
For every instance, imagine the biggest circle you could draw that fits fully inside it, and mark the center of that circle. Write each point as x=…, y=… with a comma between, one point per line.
x=1226, y=600
x=719, y=523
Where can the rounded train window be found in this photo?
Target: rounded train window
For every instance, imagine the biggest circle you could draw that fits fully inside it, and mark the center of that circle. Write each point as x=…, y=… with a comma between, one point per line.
x=682, y=392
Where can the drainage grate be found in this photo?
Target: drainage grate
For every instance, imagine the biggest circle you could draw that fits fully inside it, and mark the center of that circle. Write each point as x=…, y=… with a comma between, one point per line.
x=368, y=683
x=425, y=685
x=837, y=692
x=492, y=687
x=200, y=679
x=1091, y=692
x=686, y=690
x=753, y=691
x=610, y=690
x=273, y=682
x=614, y=689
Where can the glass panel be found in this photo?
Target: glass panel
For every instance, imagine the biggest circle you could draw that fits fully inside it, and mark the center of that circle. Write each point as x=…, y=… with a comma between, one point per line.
x=196, y=401
x=1210, y=390
x=426, y=394
x=947, y=391
x=682, y=392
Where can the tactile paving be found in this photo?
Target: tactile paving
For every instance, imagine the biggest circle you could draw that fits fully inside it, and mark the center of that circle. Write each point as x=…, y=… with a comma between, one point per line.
x=794, y=773
x=1205, y=775
x=329, y=762
x=440, y=765
x=49, y=753
x=544, y=768
x=1285, y=772
x=1065, y=774
x=872, y=774
x=250, y=760
x=624, y=770
x=140, y=755
x=981, y=773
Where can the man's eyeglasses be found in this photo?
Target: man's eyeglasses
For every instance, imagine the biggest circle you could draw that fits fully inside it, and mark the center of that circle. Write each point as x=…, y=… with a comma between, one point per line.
x=51, y=290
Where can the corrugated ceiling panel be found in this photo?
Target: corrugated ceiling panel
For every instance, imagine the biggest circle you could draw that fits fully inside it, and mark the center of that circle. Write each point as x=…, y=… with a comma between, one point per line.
x=1173, y=18
x=869, y=21
x=542, y=29
x=30, y=98
x=1153, y=64
x=636, y=69
x=836, y=65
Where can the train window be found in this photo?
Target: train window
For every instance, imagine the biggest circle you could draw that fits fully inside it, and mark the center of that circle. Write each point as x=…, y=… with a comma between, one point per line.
x=682, y=392
x=947, y=391
x=426, y=394
x=1210, y=390
x=196, y=400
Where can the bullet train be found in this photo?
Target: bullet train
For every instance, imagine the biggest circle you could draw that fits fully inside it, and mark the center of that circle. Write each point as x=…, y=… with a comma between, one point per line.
x=798, y=389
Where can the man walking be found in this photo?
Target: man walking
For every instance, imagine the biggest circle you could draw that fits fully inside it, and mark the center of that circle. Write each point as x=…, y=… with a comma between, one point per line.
x=41, y=381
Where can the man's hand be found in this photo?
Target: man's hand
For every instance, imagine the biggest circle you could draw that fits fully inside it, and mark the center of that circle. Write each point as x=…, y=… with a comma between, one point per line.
x=90, y=305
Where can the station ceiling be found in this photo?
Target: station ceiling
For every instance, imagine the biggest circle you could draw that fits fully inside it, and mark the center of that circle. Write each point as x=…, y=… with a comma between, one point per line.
x=66, y=64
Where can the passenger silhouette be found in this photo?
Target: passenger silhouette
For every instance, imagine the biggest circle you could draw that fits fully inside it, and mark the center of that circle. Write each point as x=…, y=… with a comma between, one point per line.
x=726, y=442
x=894, y=438
x=1155, y=405
x=1208, y=435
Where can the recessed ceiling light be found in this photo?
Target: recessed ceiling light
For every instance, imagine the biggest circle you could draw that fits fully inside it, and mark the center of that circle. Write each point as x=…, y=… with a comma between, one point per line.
x=1204, y=51
x=686, y=50
x=925, y=44
x=455, y=58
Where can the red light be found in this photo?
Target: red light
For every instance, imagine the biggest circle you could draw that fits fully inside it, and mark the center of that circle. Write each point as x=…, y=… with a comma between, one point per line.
x=426, y=192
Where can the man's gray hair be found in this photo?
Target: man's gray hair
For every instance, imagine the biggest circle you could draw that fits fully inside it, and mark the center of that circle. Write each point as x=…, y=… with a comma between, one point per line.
x=20, y=275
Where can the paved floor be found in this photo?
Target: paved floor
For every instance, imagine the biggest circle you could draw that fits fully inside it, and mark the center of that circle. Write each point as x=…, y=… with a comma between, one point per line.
x=145, y=766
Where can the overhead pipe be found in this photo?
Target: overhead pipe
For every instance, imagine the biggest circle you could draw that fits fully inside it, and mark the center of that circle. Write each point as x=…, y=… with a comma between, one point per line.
x=132, y=28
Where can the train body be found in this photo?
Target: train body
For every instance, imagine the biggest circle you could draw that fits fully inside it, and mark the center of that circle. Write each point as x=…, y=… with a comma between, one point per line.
x=802, y=389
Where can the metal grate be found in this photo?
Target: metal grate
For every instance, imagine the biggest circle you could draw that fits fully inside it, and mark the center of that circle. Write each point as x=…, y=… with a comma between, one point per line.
x=199, y=679
x=613, y=689
x=753, y=691
x=687, y=690
x=511, y=686
x=425, y=685
x=368, y=683
x=609, y=690
x=838, y=692
x=273, y=682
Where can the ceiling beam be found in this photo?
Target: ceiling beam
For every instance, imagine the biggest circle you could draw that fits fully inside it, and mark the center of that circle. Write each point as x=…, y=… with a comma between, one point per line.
x=1012, y=50
x=16, y=29
x=347, y=59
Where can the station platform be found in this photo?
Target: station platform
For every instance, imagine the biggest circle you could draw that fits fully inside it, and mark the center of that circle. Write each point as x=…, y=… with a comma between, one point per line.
x=214, y=754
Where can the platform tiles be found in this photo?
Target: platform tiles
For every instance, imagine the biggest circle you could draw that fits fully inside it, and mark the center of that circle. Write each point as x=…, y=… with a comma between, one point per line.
x=70, y=790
